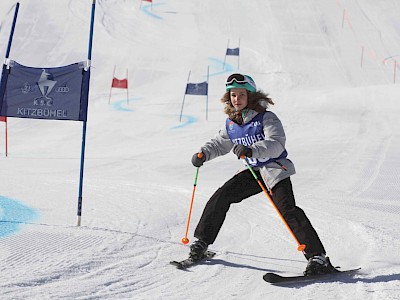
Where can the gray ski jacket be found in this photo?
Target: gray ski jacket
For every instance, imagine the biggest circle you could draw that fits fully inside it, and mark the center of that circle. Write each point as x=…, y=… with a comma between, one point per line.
x=271, y=147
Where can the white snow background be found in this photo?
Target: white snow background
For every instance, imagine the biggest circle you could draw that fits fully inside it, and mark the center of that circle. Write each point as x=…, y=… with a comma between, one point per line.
x=330, y=68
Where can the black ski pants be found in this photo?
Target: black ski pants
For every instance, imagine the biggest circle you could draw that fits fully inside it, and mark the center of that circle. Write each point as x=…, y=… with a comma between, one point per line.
x=242, y=186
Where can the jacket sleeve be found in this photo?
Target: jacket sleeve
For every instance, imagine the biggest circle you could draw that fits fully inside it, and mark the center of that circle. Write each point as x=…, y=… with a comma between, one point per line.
x=275, y=139
x=217, y=146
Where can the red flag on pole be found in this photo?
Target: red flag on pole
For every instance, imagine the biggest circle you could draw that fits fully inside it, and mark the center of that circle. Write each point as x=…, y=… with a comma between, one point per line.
x=3, y=119
x=119, y=83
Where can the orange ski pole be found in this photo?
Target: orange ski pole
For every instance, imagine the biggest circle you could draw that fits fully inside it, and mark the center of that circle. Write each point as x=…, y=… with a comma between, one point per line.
x=300, y=247
x=185, y=240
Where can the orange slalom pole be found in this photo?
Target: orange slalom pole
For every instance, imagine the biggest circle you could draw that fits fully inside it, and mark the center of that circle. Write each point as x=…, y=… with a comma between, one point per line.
x=185, y=240
x=300, y=247
x=6, y=138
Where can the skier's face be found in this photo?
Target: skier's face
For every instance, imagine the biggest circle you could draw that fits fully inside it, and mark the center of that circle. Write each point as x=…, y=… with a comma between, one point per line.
x=238, y=98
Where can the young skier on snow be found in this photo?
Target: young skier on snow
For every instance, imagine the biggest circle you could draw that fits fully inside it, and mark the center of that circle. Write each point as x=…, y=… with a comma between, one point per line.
x=256, y=133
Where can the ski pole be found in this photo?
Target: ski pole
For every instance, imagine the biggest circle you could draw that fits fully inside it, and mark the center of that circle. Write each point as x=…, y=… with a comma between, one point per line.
x=300, y=247
x=185, y=240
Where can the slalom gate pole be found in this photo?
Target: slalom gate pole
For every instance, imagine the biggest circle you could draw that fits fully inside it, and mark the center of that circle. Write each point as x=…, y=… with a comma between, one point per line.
x=89, y=58
x=109, y=98
x=6, y=138
x=12, y=30
x=300, y=247
x=184, y=96
x=185, y=240
x=127, y=87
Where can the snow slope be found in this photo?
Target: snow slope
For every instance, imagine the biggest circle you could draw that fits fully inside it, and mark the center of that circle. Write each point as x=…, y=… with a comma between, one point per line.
x=340, y=117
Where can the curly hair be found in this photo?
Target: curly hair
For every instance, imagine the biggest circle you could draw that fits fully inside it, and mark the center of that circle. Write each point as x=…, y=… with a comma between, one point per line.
x=257, y=101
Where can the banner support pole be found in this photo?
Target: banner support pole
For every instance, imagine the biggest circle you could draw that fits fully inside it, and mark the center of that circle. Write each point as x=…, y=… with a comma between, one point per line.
x=7, y=63
x=239, y=56
x=79, y=213
x=127, y=87
x=12, y=30
x=109, y=98
x=223, y=66
x=6, y=138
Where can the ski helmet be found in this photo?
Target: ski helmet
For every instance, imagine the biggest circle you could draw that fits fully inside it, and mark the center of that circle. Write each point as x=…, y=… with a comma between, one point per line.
x=240, y=81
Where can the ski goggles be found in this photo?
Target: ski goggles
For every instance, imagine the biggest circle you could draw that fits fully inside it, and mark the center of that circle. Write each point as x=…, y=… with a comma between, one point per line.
x=238, y=78
x=240, y=81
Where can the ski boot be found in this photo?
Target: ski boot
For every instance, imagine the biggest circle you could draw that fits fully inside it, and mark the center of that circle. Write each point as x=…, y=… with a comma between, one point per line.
x=198, y=249
x=319, y=264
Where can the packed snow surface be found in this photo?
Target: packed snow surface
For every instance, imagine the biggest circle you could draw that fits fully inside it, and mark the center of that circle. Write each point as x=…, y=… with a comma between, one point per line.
x=330, y=67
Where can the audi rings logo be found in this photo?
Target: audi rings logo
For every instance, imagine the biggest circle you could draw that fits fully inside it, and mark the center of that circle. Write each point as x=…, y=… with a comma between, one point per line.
x=62, y=89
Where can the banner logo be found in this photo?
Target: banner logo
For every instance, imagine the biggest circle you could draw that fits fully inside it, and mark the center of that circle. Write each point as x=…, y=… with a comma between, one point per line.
x=45, y=85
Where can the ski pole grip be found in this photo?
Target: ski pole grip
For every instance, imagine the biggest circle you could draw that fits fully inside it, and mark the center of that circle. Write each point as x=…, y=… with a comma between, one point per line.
x=200, y=154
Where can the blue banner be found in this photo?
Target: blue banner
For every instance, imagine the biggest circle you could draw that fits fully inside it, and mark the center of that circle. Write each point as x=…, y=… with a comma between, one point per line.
x=45, y=93
x=197, y=88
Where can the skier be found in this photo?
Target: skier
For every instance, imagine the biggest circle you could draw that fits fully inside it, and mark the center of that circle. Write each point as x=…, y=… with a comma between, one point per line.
x=254, y=132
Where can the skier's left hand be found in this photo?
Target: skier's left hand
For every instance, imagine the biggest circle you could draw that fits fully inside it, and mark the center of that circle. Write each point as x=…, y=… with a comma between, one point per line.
x=241, y=150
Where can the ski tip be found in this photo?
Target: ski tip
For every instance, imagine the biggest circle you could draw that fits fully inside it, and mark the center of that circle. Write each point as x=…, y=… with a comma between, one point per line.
x=177, y=264
x=189, y=262
x=272, y=277
x=348, y=270
x=210, y=254
x=355, y=270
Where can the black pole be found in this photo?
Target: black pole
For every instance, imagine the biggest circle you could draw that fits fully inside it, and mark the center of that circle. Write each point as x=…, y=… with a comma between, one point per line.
x=12, y=30
x=89, y=57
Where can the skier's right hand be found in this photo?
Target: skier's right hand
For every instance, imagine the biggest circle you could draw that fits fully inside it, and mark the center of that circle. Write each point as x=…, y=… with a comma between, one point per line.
x=198, y=159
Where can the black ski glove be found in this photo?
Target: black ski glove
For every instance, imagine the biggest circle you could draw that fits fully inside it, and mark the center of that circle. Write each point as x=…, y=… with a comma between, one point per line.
x=241, y=150
x=198, y=159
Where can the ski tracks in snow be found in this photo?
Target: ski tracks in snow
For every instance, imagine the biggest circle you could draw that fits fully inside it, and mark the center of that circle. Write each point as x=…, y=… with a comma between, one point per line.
x=112, y=262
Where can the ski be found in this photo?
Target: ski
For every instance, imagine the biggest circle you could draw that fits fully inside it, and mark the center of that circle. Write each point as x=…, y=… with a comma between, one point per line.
x=276, y=279
x=189, y=262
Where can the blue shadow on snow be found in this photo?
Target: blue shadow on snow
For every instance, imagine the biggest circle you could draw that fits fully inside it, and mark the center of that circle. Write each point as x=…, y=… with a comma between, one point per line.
x=187, y=120
x=149, y=6
x=120, y=105
x=219, y=65
x=12, y=214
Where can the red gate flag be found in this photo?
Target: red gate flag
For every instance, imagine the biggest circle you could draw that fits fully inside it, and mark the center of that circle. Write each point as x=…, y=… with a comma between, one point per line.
x=119, y=83
x=3, y=119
